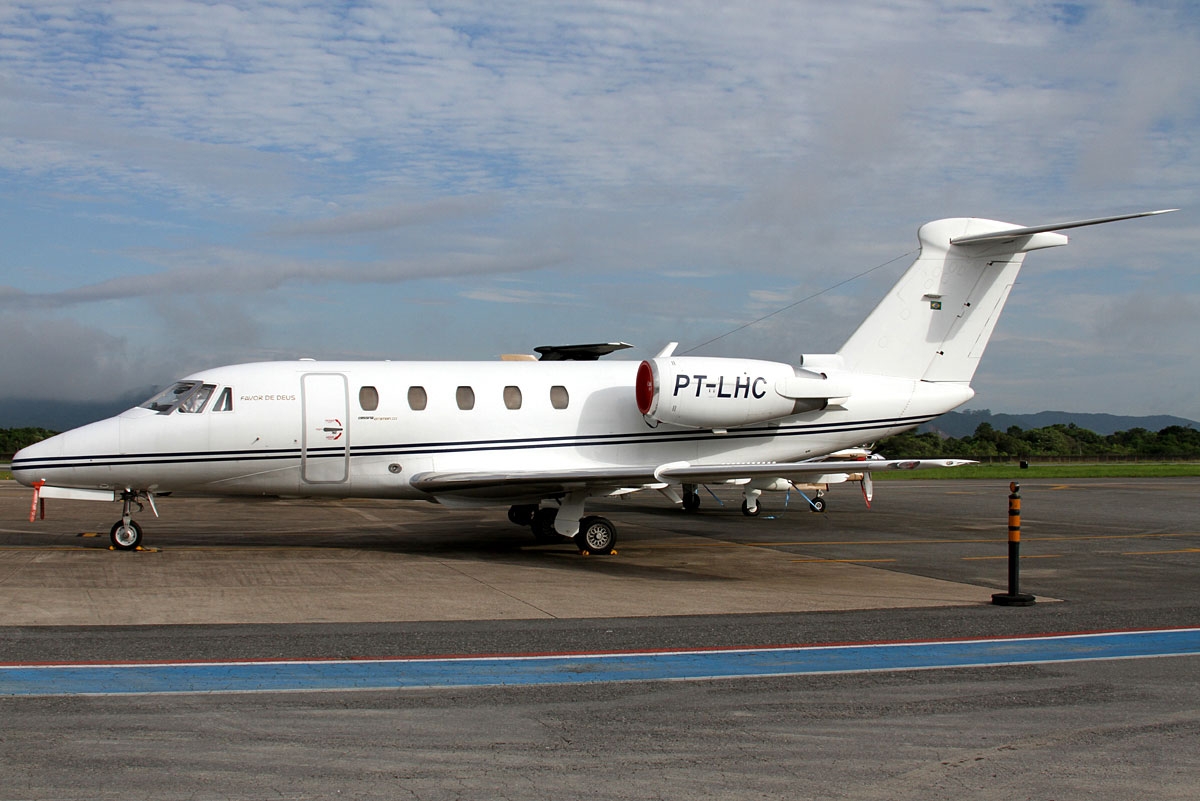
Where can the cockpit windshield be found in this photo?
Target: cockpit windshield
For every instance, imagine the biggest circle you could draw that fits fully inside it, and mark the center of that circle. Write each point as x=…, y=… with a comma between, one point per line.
x=189, y=397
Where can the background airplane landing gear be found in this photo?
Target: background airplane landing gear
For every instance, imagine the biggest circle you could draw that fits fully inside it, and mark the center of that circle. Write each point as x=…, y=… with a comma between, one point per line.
x=691, y=498
x=596, y=535
x=126, y=536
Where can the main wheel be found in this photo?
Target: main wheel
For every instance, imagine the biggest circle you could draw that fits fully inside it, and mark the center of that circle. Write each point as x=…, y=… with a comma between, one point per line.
x=543, y=526
x=691, y=501
x=125, y=537
x=818, y=504
x=748, y=512
x=596, y=535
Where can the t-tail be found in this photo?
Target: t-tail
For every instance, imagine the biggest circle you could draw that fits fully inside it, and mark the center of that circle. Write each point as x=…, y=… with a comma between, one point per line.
x=936, y=321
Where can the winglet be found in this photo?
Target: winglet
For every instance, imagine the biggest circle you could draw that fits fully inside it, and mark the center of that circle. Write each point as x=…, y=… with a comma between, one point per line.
x=1013, y=233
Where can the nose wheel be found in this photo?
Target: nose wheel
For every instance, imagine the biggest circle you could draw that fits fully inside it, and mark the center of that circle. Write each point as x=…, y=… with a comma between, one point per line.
x=126, y=536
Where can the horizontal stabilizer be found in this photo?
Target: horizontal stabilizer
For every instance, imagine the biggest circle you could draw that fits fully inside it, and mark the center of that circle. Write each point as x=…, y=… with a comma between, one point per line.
x=1014, y=233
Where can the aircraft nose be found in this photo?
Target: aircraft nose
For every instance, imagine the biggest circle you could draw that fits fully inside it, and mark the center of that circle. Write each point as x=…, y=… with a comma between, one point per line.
x=32, y=459
x=59, y=459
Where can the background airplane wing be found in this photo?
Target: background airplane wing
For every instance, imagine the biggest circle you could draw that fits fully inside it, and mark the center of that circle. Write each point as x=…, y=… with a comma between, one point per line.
x=795, y=471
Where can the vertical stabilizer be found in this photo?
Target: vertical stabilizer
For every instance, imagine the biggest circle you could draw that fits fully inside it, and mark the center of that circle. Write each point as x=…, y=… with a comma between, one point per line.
x=935, y=322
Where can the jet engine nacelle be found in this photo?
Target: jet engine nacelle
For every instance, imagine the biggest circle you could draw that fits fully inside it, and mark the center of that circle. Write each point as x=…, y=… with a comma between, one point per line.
x=713, y=392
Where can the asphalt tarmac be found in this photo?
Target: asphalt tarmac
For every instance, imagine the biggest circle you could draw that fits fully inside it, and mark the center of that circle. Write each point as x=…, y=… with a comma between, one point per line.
x=295, y=580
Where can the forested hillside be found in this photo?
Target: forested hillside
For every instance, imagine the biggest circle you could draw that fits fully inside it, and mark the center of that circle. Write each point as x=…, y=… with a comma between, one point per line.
x=13, y=439
x=1177, y=442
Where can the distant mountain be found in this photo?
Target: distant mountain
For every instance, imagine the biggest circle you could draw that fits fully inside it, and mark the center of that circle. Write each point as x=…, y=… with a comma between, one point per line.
x=962, y=424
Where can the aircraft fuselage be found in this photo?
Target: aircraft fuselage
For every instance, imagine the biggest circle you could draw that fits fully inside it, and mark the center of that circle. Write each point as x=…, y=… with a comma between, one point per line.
x=365, y=429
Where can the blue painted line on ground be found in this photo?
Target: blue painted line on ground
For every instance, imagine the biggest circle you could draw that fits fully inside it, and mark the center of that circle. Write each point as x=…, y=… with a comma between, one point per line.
x=414, y=673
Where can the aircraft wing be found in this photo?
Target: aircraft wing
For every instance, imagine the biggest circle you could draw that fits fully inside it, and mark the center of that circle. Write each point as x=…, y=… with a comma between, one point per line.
x=533, y=485
x=538, y=484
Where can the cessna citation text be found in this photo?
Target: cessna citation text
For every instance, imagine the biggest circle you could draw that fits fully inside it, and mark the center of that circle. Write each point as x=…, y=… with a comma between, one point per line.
x=543, y=437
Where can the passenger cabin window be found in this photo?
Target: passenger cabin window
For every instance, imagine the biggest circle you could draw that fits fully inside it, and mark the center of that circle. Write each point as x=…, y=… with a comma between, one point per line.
x=224, y=401
x=465, y=396
x=512, y=397
x=368, y=399
x=559, y=397
x=417, y=399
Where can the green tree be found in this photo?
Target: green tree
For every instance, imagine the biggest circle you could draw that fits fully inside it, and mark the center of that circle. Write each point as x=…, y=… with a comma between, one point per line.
x=13, y=439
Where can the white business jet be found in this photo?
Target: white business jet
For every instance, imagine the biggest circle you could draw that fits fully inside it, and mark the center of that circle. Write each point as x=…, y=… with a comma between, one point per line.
x=543, y=437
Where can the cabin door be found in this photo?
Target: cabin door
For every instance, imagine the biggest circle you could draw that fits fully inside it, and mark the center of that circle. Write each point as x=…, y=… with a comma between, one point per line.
x=325, y=451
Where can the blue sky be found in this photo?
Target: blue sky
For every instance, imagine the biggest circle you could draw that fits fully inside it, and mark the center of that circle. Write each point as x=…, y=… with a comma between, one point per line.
x=190, y=184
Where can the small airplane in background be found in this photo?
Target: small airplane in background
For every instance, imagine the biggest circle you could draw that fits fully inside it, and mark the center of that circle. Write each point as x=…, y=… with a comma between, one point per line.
x=545, y=436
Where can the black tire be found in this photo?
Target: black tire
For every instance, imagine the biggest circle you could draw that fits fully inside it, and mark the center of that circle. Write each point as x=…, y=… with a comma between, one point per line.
x=818, y=505
x=125, y=538
x=596, y=535
x=691, y=501
x=543, y=526
x=522, y=515
x=748, y=512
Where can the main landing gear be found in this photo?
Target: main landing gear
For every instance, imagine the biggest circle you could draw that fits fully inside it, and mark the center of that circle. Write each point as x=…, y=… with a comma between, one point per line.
x=597, y=535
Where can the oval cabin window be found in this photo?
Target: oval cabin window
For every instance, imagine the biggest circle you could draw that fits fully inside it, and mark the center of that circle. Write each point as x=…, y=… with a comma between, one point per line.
x=417, y=399
x=559, y=397
x=368, y=399
x=512, y=397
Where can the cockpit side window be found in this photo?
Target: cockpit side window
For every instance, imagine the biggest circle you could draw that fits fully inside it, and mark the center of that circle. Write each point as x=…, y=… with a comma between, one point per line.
x=224, y=401
x=189, y=397
x=166, y=401
x=195, y=402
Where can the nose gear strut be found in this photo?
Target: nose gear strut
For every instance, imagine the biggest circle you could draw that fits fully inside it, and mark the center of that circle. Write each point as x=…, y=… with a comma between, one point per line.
x=126, y=534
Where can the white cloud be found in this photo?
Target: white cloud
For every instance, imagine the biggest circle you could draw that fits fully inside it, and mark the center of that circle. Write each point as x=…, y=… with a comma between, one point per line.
x=678, y=165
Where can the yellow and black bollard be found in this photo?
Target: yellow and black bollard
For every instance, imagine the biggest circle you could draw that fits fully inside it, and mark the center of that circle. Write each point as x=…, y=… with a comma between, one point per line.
x=1014, y=596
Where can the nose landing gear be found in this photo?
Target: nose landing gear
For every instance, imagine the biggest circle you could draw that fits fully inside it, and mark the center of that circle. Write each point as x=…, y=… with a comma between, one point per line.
x=126, y=534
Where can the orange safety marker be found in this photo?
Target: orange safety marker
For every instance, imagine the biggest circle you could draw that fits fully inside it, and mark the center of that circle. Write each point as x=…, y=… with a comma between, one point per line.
x=38, y=504
x=1014, y=596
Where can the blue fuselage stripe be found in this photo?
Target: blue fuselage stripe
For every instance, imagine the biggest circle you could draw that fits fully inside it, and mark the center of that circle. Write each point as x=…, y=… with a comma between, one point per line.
x=412, y=673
